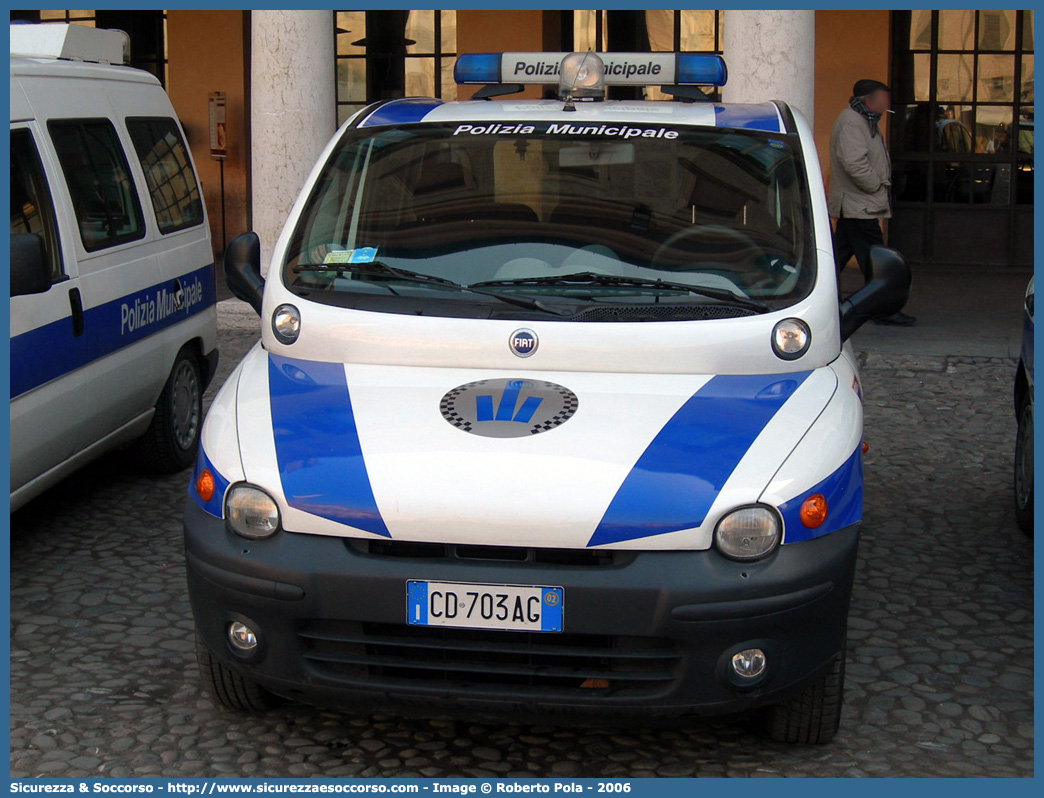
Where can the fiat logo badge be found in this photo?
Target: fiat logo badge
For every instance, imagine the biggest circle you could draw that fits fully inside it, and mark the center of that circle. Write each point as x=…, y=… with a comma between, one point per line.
x=523, y=342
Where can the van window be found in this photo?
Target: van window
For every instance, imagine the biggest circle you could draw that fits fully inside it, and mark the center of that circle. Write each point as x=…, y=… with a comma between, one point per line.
x=168, y=173
x=103, y=194
x=31, y=208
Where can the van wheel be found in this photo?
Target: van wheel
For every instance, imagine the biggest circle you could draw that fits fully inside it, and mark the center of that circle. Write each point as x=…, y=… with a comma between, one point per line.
x=1024, y=468
x=228, y=688
x=814, y=714
x=170, y=443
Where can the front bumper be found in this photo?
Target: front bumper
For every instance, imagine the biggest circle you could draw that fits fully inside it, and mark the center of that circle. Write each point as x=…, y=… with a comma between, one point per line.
x=658, y=627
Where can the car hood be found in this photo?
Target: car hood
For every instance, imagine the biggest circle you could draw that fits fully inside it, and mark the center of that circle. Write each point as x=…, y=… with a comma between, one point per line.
x=477, y=456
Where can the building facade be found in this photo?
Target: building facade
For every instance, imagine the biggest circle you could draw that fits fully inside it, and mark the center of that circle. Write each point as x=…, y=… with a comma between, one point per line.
x=961, y=136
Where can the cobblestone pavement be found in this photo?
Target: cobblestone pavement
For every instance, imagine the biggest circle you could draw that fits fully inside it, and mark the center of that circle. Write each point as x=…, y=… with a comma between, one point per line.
x=104, y=682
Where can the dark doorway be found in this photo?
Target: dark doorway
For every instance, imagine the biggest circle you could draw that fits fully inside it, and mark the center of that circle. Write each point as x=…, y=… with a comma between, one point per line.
x=962, y=136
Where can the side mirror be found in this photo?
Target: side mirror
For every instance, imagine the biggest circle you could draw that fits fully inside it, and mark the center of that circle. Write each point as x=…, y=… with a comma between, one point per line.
x=885, y=294
x=30, y=267
x=243, y=269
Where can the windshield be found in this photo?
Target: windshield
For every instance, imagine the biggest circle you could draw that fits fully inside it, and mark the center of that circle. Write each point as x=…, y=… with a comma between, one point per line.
x=574, y=217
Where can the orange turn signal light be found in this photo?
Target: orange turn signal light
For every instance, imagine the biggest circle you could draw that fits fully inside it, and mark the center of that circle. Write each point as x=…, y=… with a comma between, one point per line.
x=205, y=485
x=814, y=510
x=595, y=684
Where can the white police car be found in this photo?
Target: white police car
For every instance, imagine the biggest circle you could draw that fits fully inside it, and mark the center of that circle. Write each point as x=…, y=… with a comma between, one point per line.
x=551, y=411
x=113, y=324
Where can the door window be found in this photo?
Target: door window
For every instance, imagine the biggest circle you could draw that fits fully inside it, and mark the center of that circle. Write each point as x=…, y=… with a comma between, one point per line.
x=168, y=173
x=31, y=208
x=103, y=194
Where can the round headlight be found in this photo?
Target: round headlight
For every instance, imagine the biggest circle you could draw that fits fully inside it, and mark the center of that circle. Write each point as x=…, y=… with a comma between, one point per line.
x=790, y=339
x=286, y=324
x=251, y=512
x=748, y=533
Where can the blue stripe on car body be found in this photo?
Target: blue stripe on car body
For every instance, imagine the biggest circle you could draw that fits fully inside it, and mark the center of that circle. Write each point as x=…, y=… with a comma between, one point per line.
x=320, y=459
x=401, y=112
x=43, y=354
x=843, y=491
x=678, y=476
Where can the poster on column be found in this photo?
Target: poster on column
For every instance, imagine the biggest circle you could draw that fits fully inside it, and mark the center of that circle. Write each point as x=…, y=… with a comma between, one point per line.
x=218, y=139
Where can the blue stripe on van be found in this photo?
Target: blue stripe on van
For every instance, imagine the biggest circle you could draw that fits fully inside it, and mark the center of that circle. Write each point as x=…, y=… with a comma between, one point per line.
x=401, y=112
x=317, y=444
x=679, y=475
x=48, y=352
x=843, y=491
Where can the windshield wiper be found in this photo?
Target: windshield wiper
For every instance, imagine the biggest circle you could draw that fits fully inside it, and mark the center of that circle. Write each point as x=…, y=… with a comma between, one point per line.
x=383, y=269
x=591, y=278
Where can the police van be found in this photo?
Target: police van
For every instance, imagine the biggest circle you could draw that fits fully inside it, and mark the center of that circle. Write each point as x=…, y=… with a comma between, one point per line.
x=552, y=412
x=113, y=322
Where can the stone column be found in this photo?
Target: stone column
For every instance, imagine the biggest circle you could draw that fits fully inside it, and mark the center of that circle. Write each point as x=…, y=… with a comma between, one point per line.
x=292, y=111
x=771, y=56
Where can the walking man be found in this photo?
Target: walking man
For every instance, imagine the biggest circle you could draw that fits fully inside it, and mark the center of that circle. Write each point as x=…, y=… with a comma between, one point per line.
x=861, y=181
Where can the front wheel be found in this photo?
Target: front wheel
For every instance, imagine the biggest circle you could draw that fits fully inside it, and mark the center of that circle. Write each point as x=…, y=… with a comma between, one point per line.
x=170, y=443
x=814, y=714
x=1024, y=468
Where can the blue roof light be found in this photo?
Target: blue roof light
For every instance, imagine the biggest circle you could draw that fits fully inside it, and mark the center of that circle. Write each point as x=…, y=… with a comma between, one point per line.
x=620, y=69
x=477, y=68
x=701, y=69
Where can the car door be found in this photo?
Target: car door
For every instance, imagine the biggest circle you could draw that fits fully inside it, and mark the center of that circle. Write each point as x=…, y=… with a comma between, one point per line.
x=48, y=347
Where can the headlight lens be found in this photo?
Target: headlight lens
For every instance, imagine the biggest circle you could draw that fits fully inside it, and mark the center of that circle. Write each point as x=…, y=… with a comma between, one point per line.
x=748, y=533
x=790, y=339
x=286, y=324
x=251, y=512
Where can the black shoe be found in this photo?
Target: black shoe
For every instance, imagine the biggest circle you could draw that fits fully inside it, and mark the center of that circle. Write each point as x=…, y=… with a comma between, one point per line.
x=899, y=319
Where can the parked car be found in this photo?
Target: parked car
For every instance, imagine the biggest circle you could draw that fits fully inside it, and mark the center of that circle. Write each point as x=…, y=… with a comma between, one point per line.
x=113, y=322
x=552, y=411
x=1024, y=415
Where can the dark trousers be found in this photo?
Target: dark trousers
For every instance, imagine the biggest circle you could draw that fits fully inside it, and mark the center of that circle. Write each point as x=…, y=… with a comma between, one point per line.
x=855, y=237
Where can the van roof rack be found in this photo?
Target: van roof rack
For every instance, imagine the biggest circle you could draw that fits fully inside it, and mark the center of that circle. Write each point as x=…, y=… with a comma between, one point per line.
x=70, y=43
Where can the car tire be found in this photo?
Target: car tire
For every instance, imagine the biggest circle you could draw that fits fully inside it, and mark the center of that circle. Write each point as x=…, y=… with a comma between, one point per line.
x=229, y=689
x=170, y=443
x=813, y=715
x=1023, y=477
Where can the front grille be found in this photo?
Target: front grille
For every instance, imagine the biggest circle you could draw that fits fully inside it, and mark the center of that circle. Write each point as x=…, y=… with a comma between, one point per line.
x=478, y=659
x=662, y=313
x=520, y=554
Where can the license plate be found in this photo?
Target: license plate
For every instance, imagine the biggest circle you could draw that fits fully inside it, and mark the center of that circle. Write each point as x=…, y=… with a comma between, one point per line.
x=524, y=608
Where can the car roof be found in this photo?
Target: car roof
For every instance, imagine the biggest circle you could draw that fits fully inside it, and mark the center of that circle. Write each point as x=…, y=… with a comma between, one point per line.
x=58, y=68
x=410, y=110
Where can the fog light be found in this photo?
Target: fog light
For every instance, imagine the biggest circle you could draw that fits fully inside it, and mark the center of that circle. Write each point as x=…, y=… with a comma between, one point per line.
x=243, y=637
x=286, y=324
x=790, y=339
x=749, y=663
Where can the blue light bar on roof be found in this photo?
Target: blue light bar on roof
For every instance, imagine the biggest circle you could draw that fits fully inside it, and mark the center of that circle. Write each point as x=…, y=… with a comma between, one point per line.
x=477, y=68
x=701, y=69
x=621, y=69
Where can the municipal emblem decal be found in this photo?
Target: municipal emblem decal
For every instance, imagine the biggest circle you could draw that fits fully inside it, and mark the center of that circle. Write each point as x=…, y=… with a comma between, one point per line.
x=508, y=408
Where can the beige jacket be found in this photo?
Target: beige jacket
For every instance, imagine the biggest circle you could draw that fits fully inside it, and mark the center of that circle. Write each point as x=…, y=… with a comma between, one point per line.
x=860, y=170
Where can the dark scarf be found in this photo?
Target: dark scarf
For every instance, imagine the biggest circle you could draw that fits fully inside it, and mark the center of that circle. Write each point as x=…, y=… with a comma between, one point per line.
x=856, y=104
